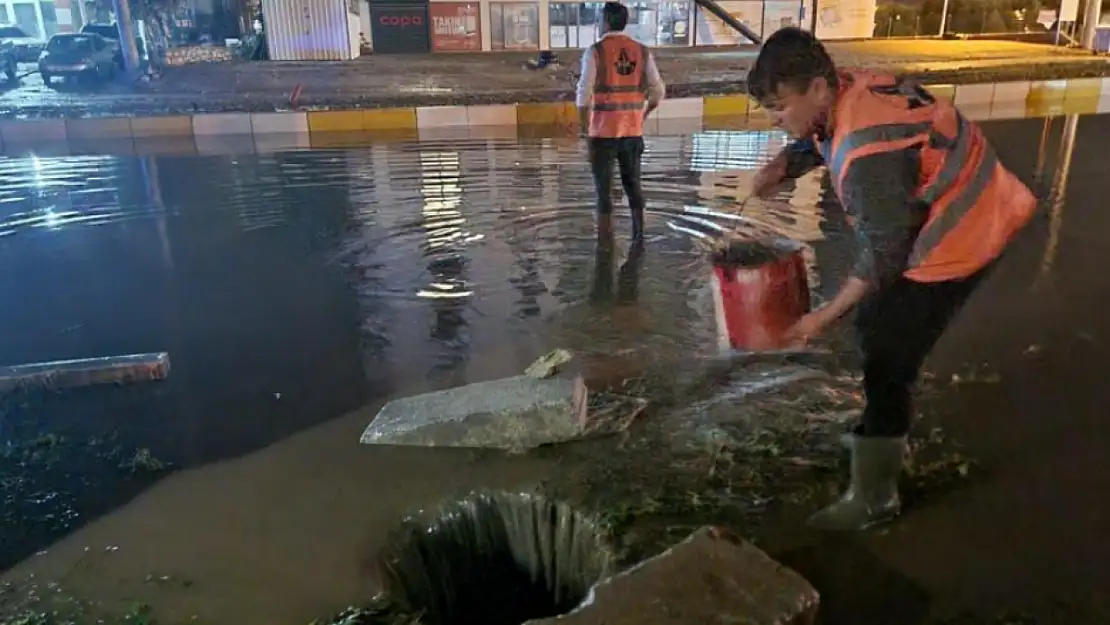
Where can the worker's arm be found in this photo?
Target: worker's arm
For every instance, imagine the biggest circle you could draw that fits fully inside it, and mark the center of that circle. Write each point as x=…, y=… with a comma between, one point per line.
x=586, y=80
x=656, y=88
x=879, y=191
x=794, y=161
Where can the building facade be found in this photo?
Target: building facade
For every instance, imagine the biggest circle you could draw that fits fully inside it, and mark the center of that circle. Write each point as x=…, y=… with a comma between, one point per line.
x=524, y=25
x=342, y=29
x=42, y=18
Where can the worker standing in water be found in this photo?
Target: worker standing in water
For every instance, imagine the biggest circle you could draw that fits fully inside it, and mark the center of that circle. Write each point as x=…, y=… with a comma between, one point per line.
x=618, y=88
x=932, y=209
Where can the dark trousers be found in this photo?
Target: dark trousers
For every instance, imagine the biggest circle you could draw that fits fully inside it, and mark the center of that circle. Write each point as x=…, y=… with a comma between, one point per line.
x=897, y=327
x=627, y=153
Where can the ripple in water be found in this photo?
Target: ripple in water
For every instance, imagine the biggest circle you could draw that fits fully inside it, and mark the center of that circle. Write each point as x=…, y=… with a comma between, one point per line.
x=453, y=248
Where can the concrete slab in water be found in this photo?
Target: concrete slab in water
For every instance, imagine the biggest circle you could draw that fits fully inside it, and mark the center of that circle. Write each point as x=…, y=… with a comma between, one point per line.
x=511, y=413
x=711, y=577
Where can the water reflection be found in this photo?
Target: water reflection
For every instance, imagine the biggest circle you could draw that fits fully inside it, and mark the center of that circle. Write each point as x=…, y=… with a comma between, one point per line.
x=627, y=282
x=1058, y=193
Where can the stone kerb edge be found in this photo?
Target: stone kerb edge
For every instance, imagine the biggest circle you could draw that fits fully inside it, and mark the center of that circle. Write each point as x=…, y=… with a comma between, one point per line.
x=332, y=128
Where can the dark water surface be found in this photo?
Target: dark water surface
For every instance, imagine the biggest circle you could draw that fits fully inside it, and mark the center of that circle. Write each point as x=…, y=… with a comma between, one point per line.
x=290, y=288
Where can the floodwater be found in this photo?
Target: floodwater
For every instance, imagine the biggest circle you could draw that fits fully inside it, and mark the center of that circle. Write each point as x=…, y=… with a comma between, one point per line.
x=293, y=288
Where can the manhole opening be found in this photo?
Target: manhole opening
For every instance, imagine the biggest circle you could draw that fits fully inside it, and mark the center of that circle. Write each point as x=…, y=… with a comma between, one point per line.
x=494, y=559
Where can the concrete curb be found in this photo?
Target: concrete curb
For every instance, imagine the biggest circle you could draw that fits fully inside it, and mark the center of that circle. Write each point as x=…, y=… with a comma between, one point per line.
x=232, y=132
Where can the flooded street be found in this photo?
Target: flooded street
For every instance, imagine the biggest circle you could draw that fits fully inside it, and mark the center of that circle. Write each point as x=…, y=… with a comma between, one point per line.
x=297, y=291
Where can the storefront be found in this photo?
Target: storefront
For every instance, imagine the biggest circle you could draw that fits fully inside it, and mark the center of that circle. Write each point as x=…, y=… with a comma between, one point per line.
x=400, y=27
x=574, y=24
x=41, y=18
x=762, y=16
x=456, y=26
x=526, y=25
x=514, y=25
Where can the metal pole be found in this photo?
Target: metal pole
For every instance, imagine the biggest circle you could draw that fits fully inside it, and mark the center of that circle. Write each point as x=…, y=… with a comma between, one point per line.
x=943, y=18
x=813, y=19
x=762, y=19
x=1091, y=17
x=126, y=34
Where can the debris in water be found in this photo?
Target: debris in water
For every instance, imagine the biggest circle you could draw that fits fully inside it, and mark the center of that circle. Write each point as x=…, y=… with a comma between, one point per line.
x=549, y=364
x=60, y=374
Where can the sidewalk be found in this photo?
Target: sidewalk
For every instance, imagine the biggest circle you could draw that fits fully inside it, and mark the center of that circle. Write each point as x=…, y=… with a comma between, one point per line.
x=412, y=96
x=499, y=78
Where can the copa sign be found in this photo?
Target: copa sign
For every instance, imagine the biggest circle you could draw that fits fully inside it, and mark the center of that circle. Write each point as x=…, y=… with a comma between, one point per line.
x=401, y=21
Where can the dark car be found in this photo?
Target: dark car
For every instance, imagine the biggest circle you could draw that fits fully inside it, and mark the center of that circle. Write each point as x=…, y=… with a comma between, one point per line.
x=27, y=48
x=77, y=55
x=111, y=33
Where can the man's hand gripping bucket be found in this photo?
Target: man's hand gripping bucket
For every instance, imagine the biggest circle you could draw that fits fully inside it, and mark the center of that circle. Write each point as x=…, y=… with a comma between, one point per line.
x=760, y=289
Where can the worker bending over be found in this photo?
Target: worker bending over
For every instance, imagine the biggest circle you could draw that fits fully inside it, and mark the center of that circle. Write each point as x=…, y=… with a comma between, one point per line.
x=932, y=209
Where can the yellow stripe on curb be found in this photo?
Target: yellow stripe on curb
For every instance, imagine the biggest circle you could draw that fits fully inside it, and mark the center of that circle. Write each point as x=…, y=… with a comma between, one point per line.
x=546, y=114
x=725, y=106
x=393, y=119
x=1081, y=95
x=344, y=128
x=334, y=121
x=168, y=126
x=1045, y=98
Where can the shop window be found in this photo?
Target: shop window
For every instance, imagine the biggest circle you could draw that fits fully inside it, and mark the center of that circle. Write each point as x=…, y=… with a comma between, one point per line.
x=674, y=23
x=455, y=26
x=575, y=24
x=27, y=19
x=515, y=26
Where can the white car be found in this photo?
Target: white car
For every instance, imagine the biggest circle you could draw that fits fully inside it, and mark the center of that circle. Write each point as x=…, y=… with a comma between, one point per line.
x=26, y=47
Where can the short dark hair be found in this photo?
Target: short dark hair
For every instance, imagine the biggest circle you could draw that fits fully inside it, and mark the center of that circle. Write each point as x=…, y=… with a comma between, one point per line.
x=792, y=58
x=615, y=15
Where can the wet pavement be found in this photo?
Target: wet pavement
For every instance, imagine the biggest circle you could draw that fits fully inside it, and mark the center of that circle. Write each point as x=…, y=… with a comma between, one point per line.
x=450, y=79
x=291, y=288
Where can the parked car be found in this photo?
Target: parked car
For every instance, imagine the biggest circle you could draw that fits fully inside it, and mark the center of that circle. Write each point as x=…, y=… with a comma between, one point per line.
x=27, y=48
x=111, y=33
x=77, y=55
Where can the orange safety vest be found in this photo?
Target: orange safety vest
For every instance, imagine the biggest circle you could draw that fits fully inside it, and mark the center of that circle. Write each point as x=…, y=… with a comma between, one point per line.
x=617, y=109
x=976, y=205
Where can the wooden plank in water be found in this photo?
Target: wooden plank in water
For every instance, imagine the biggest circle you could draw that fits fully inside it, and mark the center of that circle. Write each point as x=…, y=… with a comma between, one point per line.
x=61, y=374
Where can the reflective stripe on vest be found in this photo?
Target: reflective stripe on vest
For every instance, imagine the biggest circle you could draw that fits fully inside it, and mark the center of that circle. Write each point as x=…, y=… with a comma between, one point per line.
x=975, y=205
x=618, y=98
x=900, y=136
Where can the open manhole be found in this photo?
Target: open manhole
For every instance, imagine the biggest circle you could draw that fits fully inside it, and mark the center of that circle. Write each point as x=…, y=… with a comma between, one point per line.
x=490, y=559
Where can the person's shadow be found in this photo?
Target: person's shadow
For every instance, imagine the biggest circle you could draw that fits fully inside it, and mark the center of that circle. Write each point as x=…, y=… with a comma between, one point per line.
x=627, y=284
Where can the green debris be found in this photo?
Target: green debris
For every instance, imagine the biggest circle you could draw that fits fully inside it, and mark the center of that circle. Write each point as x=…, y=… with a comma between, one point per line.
x=549, y=364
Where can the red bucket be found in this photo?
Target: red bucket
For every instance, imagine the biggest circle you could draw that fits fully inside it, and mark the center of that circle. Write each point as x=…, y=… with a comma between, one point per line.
x=760, y=289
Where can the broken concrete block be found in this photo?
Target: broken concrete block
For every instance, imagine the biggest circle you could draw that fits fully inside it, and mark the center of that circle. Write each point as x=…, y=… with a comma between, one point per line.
x=711, y=577
x=511, y=413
